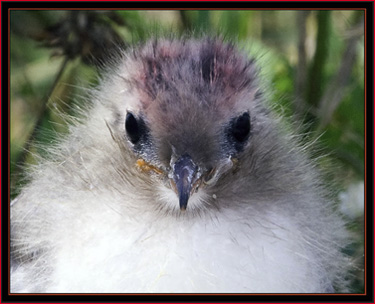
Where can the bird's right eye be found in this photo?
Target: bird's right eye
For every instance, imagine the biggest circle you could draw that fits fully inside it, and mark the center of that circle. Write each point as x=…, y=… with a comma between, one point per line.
x=134, y=127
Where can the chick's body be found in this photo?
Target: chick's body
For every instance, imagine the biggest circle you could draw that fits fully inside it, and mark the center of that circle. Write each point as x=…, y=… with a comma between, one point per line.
x=177, y=124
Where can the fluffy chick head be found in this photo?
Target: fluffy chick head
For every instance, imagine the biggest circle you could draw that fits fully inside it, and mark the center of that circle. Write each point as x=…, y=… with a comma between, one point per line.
x=188, y=111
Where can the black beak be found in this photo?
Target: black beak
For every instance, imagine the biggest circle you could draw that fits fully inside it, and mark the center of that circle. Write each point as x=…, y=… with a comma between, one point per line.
x=184, y=171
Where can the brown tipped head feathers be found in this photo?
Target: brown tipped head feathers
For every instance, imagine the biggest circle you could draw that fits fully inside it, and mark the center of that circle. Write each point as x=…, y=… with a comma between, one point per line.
x=193, y=104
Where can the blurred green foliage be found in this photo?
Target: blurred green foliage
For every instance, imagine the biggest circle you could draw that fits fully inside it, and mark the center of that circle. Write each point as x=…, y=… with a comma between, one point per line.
x=312, y=64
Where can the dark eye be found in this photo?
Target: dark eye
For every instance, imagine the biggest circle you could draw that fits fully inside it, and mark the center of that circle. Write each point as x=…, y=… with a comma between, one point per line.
x=240, y=127
x=135, y=128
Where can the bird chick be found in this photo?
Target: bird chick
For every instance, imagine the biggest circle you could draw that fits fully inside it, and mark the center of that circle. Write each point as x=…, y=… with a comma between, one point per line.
x=177, y=179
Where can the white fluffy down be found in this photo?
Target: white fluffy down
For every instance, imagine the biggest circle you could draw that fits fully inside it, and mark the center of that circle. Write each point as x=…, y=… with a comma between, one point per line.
x=228, y=252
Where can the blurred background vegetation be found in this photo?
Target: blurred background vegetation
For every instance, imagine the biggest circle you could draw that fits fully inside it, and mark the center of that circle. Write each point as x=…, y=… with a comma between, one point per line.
x=312, y=62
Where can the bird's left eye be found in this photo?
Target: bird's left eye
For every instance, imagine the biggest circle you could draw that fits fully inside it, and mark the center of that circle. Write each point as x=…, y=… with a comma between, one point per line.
x=237, y=133
x=240, y=127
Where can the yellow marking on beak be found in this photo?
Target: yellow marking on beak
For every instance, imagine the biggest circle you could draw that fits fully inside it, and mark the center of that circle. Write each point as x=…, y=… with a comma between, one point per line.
x=146, y=167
